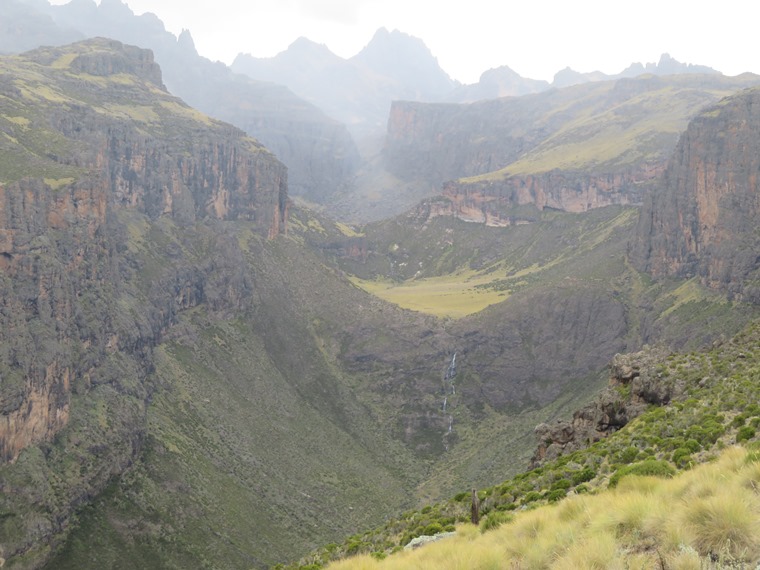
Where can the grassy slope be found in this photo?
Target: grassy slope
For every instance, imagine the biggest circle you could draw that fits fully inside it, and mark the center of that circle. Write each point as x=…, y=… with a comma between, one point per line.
x=703, y=519
x=718, y=408
x=615, y=125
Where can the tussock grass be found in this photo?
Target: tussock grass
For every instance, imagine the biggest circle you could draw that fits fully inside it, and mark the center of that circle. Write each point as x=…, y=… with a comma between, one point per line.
x=709, y=513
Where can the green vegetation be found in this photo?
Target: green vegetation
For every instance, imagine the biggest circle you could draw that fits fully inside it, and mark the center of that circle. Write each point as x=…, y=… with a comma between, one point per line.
x=718, y=386
x=706, y=518
x=615, y=126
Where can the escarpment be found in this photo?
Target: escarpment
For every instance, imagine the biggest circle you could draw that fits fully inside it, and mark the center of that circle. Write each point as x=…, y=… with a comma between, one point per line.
x=573, y=149
x=56, y=242
x=100, y=154
x=701, y=221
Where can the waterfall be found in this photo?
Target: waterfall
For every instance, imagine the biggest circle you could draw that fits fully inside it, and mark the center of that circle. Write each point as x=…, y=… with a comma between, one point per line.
x=449, y=389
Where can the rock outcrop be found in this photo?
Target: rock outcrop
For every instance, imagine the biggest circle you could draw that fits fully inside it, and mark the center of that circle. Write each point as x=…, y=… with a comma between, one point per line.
x=701, y=221
x=634, y=384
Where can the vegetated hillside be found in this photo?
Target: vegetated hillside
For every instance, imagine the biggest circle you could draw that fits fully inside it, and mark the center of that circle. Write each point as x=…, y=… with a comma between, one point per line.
x=535, y=312
x=571, y=149
x=172, y=362
x=319, y=152
x=702, y=221
x=685, y=409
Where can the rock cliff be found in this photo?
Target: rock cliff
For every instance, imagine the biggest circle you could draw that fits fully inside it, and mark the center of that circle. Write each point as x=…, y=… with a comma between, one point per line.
x=571, y=149
x=701, y=220
x=634, y=384
x=96, y=144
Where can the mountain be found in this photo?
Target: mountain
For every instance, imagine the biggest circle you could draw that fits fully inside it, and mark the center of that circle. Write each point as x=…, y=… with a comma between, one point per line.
x=667, y=65
x=700, y=222
x=571, y=149
x=357, y=91
x=319, y=152
x=494, y=83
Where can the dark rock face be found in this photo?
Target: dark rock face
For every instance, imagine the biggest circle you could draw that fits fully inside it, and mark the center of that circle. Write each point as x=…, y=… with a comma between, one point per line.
x=538, y=345
x=701, y=221
x=493, y=203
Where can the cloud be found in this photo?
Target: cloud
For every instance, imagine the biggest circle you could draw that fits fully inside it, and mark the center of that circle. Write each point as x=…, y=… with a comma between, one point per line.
x=336, y=11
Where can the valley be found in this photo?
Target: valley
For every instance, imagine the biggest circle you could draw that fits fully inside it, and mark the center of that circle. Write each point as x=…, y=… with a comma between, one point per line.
x=243, y=324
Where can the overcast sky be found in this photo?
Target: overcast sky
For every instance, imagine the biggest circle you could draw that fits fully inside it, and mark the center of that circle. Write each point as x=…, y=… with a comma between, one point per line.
x=536, y=38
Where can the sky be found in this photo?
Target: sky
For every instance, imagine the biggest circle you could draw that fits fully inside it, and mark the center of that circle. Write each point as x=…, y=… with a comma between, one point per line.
x=536, y=38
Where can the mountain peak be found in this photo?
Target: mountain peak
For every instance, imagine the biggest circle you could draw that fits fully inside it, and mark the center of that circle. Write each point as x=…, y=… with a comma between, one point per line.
x=406, y=59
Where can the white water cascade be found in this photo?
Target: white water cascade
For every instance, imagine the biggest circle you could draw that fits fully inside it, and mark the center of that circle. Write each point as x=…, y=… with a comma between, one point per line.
x=449, y=389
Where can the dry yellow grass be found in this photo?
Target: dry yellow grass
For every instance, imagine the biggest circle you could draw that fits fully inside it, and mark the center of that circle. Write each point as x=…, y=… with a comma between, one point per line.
x=685, y=523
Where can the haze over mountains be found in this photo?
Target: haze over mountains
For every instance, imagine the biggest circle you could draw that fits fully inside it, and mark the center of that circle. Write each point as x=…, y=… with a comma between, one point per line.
x=198, y=370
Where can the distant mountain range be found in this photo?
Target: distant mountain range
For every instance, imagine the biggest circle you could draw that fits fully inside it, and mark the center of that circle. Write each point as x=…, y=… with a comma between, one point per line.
x=356, y=91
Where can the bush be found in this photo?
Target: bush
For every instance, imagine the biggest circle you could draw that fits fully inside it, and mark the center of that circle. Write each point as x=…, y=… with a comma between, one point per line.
x=432, y=529
x=495, y=520
x=648, y=468
x=531, y=497
x=556, y=495
x=681, y=457
x=745, y=433
x=561, y=484
x=582, y=476
x=628, y=455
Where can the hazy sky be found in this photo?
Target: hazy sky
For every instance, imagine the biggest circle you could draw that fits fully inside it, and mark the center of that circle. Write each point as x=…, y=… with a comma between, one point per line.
x=536, y=38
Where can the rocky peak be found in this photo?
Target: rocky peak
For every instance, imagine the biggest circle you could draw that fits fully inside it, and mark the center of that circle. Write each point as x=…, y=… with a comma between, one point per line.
x=186, y=43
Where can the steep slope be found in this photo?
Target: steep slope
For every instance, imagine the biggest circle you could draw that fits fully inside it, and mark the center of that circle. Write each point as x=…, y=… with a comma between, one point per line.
x=570, y=149
x=701, y=220
x=319, y=152
x=661, y=413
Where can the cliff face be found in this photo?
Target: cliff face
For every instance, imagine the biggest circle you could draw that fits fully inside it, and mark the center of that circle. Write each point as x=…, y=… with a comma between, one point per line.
x=572, y=149
x=97, y=145
x=51, y=240
x=494, y=203
x=701, y=220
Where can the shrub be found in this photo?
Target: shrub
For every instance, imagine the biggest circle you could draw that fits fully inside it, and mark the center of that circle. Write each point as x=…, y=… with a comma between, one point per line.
x=495, y=520
x=531, y=497
x=561, y=484
x=556, y=495
x=681, y=457
x=432, y=529
x=649, y=468
x=745, y=433
x=628, y=455
x=582, y=476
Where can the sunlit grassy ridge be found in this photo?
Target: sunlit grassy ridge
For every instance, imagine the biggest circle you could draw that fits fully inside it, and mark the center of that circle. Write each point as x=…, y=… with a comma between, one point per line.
x=45, y=83
x=712, y=510
x=706, y=518
x=615, y=125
